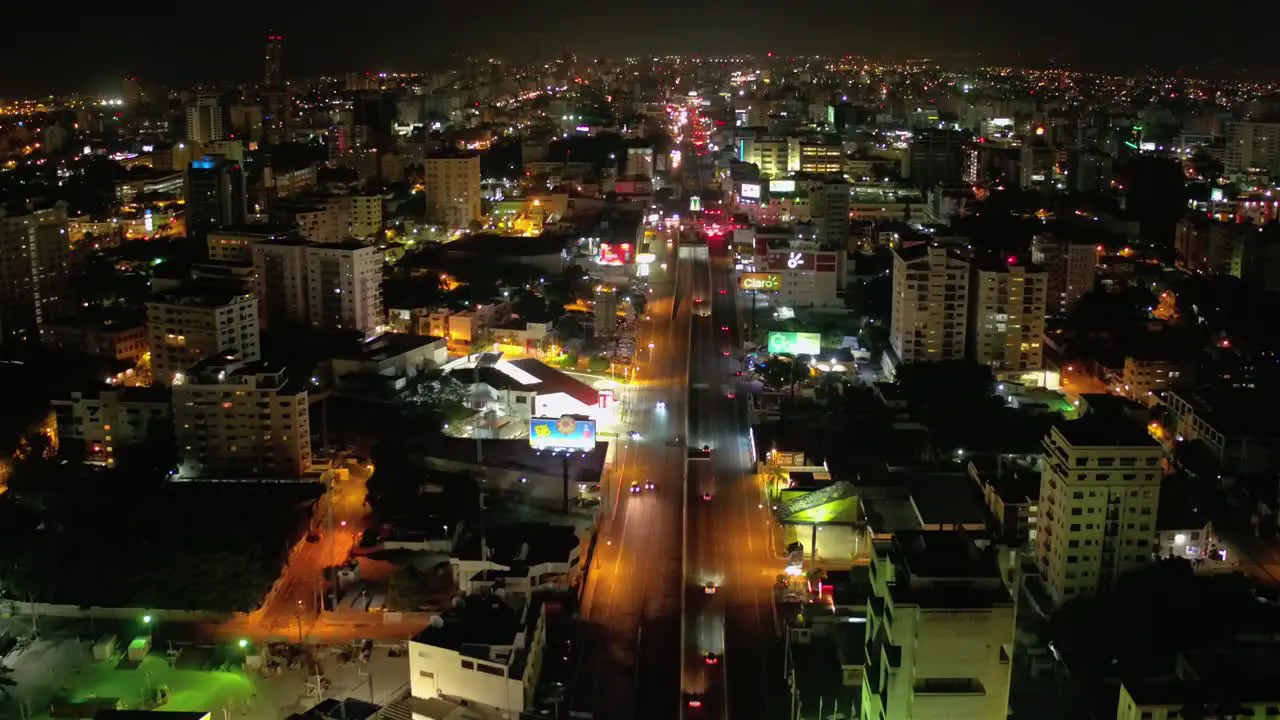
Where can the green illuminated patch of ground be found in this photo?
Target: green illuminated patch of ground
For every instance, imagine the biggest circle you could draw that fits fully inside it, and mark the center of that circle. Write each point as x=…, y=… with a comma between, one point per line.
x=188, y=689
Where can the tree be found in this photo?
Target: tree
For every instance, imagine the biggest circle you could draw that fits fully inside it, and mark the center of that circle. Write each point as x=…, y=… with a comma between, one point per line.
x=955, y=400
x=408, y=589
x=598, y=364
x=784, y=371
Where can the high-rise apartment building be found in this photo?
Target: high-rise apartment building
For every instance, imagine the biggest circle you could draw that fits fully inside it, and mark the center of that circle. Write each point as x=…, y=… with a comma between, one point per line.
x=1071, y=269
x=344, y=286
x=930, y=303
x=452, y=182
x=277, y=105
x=216, y=195
x=236, y=418
x=936, y=157
x=273, y=61
x=1252, y=146
x=1007, y=314
x=280, y=277
x=363, y=215
x=204, y=120
x=35, y=282
x=194, y=322
x=1099, y=491
x=829, y=202
x=335, y=286
x=939, y=632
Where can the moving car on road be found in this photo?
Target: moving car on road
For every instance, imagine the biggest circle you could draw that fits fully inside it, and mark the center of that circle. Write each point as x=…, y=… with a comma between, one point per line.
x=635, y=487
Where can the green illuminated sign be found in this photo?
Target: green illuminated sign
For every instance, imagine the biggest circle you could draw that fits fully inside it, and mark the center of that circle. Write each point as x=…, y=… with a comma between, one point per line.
x=795, y=343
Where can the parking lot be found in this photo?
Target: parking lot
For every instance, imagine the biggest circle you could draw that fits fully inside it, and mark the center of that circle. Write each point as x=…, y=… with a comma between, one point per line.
x=187, y=676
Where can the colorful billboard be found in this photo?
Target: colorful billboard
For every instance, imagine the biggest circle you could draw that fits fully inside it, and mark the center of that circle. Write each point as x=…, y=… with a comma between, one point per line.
x=563, y=433
x=795, y=343
x=760, y=282
x=617, y=253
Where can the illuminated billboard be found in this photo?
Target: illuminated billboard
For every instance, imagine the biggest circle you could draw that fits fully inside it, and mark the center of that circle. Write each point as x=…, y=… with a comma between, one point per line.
x=563, y=433
x=782, y=186
x=750, y=191
x=617, y=253
x=760, y=282
x=795, y=343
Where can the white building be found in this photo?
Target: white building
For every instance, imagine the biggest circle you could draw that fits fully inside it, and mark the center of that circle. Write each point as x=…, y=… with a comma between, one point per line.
x=1099, y=493
x=1008, y=315
x=344, y=286
x=236, y=418
x=484, y=653
x=517, y=390
x=363, y=215
x=829, y=202
x=810, y=278
x=192, y=323
x=280, y=280
x=204, y=120
x=930, y=304
x=108, y=420
x=452, y=182
x=940, y=631
x=1072, y=267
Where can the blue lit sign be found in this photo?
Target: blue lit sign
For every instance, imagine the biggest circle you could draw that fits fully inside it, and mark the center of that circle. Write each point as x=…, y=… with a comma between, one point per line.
x=563, y=433
x=201, y=164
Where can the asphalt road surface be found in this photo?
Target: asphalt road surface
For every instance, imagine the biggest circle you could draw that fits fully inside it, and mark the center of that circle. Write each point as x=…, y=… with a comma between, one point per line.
x=731, y=656
x=630, y=619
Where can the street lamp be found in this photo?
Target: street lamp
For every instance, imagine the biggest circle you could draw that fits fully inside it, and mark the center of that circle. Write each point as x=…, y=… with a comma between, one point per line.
x=146, y=620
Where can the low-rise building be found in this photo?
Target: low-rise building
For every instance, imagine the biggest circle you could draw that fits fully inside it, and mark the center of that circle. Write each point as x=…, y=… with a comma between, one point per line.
x=1237, y=428
x=519, y=559
x=483, y=652
x=104, y=421
x=121, y=338
x=1146, y=378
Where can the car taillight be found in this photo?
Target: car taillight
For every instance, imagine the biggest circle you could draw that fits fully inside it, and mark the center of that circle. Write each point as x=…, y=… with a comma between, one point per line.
x=695, y=703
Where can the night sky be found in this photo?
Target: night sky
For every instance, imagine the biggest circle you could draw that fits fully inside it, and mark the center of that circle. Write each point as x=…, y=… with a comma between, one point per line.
x=61, y=48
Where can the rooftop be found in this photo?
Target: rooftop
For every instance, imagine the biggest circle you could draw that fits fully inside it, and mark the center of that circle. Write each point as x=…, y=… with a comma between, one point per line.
x=381, y=347
x=1014, y=483
x=263, y=230
x=942, y=554
x=945, y=569
x=229, y=369
x=1180, y=692
x=527, y=544
x=482, y=622
x=344, y=245
x=154, y=715
x=1232, y=411
x=1107, y=422
x=199, y=295
x=517, y=455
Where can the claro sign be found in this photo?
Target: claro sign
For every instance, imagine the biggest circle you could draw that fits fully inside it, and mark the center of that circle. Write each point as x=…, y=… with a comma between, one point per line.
x=760, y=282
